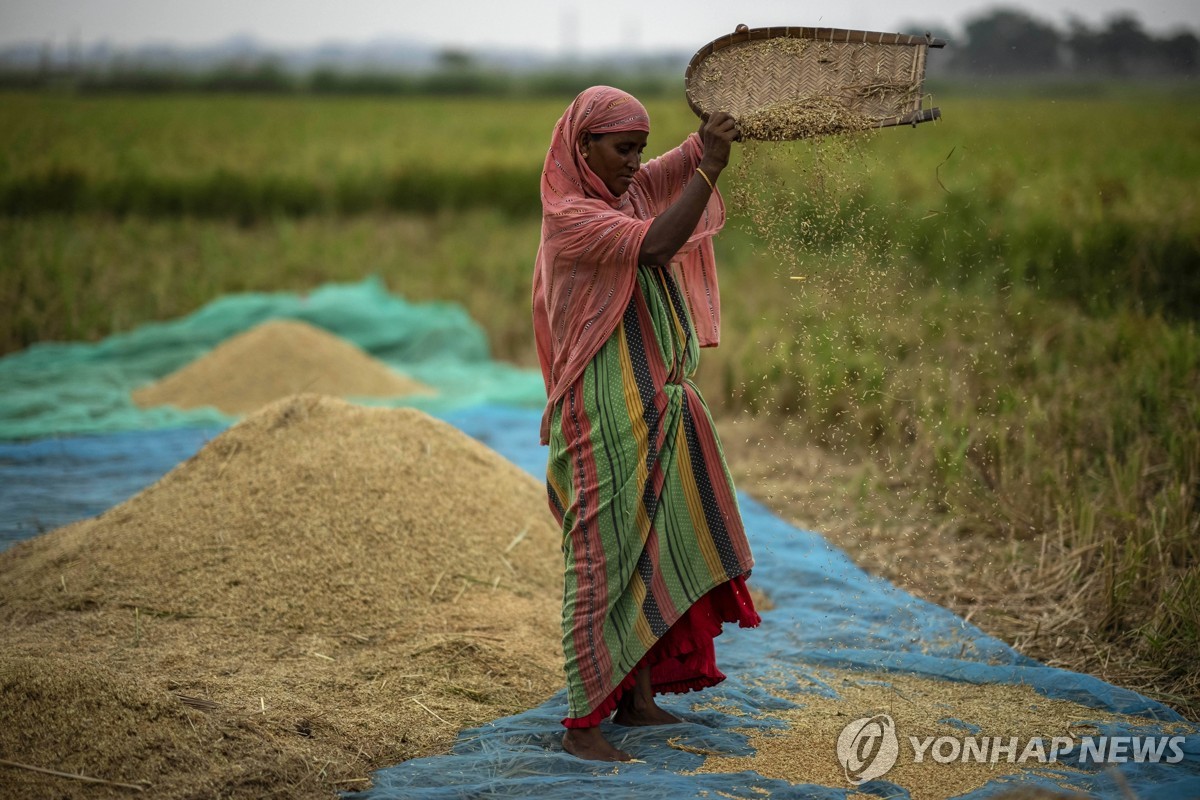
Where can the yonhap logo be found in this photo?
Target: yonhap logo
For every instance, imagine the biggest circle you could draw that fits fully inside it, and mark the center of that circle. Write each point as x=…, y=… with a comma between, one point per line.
x=867, y=748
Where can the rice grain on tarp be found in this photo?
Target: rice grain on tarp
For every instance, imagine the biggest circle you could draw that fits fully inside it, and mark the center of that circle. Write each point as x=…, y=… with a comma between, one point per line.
x=828, y=699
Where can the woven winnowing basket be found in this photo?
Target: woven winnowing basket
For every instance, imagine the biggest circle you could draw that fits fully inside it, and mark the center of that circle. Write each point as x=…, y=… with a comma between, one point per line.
x=875, y=75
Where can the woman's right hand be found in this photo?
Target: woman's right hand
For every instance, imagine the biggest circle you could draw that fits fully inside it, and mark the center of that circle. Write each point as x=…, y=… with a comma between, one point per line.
x=671, y=229
x=717, y=134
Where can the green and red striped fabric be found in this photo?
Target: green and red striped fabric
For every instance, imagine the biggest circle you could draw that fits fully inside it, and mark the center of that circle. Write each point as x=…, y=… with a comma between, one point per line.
x=637, y=479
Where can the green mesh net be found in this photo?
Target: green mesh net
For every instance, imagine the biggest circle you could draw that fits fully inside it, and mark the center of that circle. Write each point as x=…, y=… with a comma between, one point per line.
x=72, y=388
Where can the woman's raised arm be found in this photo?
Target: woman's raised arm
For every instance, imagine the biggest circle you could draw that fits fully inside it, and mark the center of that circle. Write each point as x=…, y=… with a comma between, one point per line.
x=671, y=229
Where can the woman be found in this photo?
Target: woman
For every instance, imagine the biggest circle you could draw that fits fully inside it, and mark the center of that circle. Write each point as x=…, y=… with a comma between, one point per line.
x=624, y=294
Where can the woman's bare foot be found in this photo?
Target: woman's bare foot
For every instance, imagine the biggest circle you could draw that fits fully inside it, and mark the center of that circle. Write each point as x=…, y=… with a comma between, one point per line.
x=637, y=714
x=590, y=744
x=637, y=707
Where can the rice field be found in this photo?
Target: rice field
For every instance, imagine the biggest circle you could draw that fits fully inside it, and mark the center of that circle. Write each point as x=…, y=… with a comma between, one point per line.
x=1079, y=196
x=991, y=319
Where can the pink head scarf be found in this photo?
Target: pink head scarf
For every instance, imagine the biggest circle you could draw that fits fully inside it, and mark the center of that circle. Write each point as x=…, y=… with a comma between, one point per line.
x=588, y=255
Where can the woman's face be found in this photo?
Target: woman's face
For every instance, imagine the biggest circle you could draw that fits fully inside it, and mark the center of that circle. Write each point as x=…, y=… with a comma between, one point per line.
x=614, y=157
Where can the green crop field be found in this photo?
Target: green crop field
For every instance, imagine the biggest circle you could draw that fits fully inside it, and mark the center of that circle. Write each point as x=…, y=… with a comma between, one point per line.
x=1087, y=197
x=992, y=317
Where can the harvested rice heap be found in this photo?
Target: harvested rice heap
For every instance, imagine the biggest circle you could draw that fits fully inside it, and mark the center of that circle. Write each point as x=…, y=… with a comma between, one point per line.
x=323, y=590
x=271, y=361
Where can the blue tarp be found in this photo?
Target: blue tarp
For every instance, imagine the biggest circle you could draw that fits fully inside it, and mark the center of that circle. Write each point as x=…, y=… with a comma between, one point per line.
x=47, y=483
x=829, y=614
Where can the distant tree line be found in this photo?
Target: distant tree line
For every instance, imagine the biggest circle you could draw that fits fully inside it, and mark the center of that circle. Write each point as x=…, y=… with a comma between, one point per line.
x=1007, y=42
x=455, y=73
x=1003, y=42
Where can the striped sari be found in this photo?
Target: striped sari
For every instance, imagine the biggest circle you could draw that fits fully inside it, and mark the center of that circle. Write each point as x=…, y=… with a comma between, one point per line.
x=655, y=553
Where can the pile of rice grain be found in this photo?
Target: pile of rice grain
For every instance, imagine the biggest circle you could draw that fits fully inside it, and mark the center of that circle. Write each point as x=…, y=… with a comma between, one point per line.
x=271, y=361
x=322, y=591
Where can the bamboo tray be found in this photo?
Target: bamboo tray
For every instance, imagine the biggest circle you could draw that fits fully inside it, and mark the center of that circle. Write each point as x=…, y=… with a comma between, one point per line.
x=876, y=76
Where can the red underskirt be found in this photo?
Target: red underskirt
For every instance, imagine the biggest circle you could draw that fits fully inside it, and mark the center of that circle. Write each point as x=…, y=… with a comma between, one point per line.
x=684, y=659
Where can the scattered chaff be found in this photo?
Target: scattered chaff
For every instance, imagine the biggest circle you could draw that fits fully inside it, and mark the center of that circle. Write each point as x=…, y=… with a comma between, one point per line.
x=517, y=539
x=202, y=703
x=676, y=744
x=74, y=776
x=431, y=711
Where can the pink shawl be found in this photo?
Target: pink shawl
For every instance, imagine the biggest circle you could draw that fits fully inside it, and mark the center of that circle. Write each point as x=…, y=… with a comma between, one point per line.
x=588, y=255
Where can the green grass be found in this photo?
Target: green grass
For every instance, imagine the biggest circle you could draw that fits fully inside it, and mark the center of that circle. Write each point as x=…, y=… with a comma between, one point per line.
x=1091, y=199
x=82, y=277
x=997, y=311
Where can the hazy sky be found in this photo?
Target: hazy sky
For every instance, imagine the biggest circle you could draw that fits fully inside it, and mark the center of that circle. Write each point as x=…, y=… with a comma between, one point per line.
x=551, y=27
